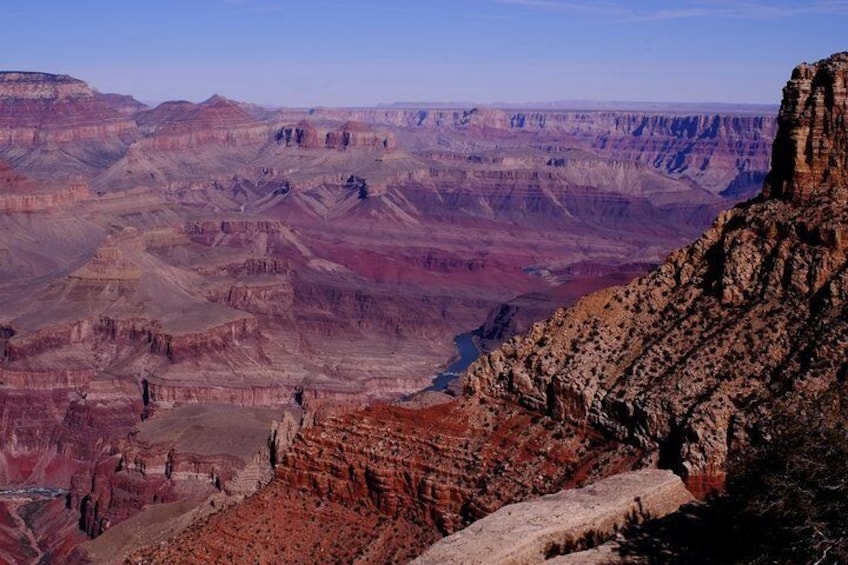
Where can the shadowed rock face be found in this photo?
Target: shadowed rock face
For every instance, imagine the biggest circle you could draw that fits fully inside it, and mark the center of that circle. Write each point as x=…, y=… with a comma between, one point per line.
x=811, y=149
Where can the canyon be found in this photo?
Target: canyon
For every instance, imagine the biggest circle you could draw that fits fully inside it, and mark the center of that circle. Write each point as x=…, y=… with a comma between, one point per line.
x=680, y=369
x=184, y=288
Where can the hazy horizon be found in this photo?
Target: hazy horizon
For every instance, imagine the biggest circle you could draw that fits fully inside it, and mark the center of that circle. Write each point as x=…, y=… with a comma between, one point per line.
x=376, y=52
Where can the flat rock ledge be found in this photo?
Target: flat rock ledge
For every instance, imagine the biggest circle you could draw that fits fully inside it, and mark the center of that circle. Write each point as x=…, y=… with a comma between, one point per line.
x=569, y=521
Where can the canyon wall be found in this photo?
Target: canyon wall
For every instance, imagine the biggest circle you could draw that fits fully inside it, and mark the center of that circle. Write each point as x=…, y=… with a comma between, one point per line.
x=678, y=369
x=691, y=359
x=248, y=264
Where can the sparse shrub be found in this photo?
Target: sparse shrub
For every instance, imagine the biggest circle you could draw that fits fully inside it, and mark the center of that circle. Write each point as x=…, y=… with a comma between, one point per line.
x=788, y=497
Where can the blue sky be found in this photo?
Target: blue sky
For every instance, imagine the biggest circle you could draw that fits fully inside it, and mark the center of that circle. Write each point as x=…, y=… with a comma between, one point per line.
x=352, y=52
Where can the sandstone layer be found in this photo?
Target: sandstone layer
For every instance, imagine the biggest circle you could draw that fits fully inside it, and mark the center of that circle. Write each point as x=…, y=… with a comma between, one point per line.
x=200, y=255
x=348, y=482
x=691, y=358
x=678, y=369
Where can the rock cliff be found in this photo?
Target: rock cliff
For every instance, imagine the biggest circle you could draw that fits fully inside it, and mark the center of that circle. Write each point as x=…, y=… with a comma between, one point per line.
x=21, y=194
x=722, y=153
x=677, y=369
x=321, y=260
x=415, y=473
x=39, y=110
x=689, y=360
x=180, y=126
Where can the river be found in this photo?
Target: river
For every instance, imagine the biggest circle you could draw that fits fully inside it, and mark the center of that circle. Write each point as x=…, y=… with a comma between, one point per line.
x=32, y=493
x=468, y=353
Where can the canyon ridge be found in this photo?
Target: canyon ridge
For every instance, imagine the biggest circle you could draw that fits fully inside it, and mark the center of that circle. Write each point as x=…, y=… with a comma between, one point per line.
x=196, y=299
x=679, y=369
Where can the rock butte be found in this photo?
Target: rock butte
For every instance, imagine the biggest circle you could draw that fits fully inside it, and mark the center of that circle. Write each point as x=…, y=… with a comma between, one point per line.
x=274, y=269
x=677, y=369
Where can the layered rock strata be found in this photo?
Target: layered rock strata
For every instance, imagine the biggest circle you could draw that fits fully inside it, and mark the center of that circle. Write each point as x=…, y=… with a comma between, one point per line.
x=677, y=369
x=40, y=110
x=690, y=360
x=720, y=153
x=226, y=256
x=416, y=473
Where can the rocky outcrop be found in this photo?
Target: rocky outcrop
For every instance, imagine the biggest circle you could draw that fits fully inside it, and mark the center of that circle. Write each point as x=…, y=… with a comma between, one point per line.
x=42, y=201
x=356, y=135
x=35, y=529
x=164, y=460
x=304, y=134
x=418, y=473
x=148, y=333
x=41, y=86
x=36, y=108
x=690, y=360
x=811, y=149
x=61, y=422
x=20, y=194
x=216, y=121
x=349, y=135
x=536, y=530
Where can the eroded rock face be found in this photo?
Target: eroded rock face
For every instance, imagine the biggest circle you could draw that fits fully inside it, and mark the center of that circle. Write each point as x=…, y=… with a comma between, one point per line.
x=722, y=153
x=224, y=256
x=42, y=86
x=188, y=453
x=216, y=121
x=418, y=473
x=357, y=135
x=690, y=360
x=40, y=108
x=811, y=149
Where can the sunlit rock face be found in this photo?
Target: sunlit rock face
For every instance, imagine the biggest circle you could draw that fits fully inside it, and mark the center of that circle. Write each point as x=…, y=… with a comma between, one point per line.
x=315, y=261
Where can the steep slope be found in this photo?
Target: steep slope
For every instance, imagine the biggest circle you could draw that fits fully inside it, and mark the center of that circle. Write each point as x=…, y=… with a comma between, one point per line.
x=690, y=359
x=245, y=264
x=677, y=370
x=56, y=126
x=415, y=473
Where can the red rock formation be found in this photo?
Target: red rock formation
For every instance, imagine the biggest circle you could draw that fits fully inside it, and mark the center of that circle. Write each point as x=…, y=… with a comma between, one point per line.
x=684, y=366
x=690, y=360
x=21, y=194
x=811, y=151
x=353, y=135
x=215, y=121
x=172, y=456
x=37, y=530
x=304, y=134
x=418, y=472
x=37, y=107
x=219, y=262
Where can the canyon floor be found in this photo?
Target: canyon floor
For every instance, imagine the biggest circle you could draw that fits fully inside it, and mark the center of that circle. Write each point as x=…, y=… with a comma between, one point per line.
x=183, y=288
x=734, y=344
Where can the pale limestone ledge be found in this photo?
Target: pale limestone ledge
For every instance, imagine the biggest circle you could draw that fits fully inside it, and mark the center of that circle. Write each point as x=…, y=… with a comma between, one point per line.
x=528, y=532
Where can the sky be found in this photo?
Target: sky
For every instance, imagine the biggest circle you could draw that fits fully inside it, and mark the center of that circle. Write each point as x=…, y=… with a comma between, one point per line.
x=367, y=52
